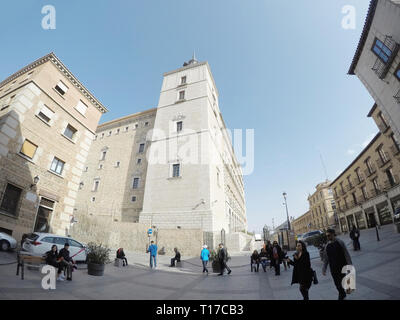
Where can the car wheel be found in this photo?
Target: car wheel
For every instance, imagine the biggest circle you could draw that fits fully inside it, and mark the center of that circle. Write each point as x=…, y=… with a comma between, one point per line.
x=4, y=245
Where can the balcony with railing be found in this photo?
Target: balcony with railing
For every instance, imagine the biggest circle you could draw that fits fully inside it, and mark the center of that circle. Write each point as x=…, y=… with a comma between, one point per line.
x=383, y=127
x=370, y=171
x=381, y=161
x=381, y=68
x=390, y=183
x=374, y=192
x=395, y=150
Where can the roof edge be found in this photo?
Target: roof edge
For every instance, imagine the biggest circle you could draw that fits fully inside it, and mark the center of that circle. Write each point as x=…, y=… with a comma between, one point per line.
x=67, y=73
x=367, y=25
x=358, y=157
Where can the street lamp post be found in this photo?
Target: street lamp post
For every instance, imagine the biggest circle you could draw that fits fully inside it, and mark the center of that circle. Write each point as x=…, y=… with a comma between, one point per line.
x=287, y=217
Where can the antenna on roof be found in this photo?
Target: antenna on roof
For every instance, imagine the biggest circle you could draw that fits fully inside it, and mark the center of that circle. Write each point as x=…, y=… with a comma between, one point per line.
x=323, y=165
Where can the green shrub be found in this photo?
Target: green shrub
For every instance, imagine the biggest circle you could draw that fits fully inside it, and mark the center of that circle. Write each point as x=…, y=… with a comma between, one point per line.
x=98, y=254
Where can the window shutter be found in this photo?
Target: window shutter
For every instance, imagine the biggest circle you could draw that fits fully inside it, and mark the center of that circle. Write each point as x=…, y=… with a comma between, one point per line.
x=47, y=112
x=28, y=149
x=62, y=86
x=81, y=107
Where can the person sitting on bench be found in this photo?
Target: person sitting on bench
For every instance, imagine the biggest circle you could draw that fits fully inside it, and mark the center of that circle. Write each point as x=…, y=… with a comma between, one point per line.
x=177, y=257
x=52, y=260
x=121, y=255
x=66, y=261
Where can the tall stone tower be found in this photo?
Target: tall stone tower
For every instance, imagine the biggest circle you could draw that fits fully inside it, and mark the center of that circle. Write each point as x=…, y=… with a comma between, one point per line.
x=193, y=179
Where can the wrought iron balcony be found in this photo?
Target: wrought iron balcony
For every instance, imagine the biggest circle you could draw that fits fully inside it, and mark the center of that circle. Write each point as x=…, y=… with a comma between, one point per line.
x=371, y=171
x=381, y=68
x=381, y=162
x=383, y=127
x=395, y=150
x=391, y=183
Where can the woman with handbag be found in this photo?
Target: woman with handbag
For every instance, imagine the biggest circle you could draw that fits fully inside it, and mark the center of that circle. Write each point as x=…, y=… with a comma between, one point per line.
x=302, y=272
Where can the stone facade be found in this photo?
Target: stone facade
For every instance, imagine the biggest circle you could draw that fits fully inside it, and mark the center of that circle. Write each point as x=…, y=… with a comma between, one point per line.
x=322, y=205
x=367, y=192
x=115, y=160
x=208, y=191
x=47, y=123
x=377, y=66
x=302, y=224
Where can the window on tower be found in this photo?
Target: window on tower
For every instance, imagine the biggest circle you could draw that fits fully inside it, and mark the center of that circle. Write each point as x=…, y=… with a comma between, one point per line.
x=183, y=80
x=182, y=95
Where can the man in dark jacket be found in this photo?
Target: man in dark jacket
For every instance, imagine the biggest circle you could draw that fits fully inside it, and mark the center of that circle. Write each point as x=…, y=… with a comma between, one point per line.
x=337, y=256
x=177, y=257
x=223, y=257
x=66, y=261
x=355, y=235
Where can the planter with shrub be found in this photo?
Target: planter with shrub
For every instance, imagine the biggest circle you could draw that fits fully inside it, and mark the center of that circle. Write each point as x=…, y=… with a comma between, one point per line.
x=97, y=257
x=216, y=266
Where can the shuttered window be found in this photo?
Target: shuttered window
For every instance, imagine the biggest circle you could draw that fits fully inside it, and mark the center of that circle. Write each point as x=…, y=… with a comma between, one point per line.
x=61, y=88
x=81, y=107
x=45, y=114
x=28, y=149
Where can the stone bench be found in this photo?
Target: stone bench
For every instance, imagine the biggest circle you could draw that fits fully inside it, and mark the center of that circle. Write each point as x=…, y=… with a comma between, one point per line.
x=179, y=264
x=118, y=262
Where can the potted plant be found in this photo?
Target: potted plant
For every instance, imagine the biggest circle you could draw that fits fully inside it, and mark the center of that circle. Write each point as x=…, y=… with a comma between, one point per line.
x=216, y=266
x=97, y=258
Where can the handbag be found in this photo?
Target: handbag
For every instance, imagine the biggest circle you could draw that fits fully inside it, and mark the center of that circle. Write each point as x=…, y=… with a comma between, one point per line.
x=314, y=276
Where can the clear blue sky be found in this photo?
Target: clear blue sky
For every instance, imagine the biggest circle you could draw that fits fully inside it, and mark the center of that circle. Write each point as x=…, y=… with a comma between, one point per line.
x=280, y=68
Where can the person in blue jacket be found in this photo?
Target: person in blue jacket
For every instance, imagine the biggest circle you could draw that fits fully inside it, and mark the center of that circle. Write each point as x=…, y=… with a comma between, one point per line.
x=205, y=256
x=153, y=254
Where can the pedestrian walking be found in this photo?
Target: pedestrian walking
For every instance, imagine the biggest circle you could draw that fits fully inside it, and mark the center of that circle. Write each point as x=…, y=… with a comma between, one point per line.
x=302, y=272
x=223, y=258
x=264, y=258
x=276, y=258
x=205, y=256
x=337, y=256
x=177, y=257
x=255, y=261
x=152, y=249
x=269, y=253
x=284, y=260
x=355, y=235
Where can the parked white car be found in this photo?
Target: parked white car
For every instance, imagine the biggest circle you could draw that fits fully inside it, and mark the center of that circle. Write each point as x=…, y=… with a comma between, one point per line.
x=39, y=243
x=7, y=242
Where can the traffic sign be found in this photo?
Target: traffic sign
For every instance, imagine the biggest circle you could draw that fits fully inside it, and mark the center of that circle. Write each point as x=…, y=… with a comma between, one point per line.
x=150, y=231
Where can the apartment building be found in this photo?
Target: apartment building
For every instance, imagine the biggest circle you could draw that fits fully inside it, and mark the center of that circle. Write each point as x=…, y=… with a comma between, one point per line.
x=302, y=224
x=377, y=60
x=322, y=207
x=47, y=124
x=114, y=178
x=367, y=192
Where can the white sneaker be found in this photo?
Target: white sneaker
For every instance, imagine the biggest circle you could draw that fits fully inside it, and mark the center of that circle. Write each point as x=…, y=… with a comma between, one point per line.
x=63, y=277
x=60, y=278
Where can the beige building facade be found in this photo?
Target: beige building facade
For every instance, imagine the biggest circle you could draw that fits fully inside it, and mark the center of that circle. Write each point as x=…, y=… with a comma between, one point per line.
x=114, y=177
x=301, y=224
x=47, y=124
x=322, y=207
x=367, y=192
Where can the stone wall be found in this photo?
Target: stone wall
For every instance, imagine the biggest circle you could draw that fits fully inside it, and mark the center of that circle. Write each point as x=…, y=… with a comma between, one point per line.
x=133, y=236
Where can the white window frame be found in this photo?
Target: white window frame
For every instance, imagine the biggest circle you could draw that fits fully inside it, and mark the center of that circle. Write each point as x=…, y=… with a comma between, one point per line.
x=81, y=107
x=138, y=183
x=171, y=170
x=62, y=86
x=46, y=111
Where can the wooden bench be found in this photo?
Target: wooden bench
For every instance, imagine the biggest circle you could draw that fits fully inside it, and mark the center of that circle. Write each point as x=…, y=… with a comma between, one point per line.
x=30, y=260
x=23, y=259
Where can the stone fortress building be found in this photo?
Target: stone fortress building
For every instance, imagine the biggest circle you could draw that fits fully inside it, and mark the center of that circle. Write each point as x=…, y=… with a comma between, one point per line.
x=172, y=167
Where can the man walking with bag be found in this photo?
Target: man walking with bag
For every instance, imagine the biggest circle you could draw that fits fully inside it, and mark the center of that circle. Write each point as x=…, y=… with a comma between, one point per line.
x=337, y=256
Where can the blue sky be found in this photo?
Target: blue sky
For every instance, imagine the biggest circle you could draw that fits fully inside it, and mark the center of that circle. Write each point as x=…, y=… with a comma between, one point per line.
x=280, y=68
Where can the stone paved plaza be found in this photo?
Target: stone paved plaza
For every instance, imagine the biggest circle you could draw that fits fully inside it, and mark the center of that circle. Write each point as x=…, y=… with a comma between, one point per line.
x=377, y=267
